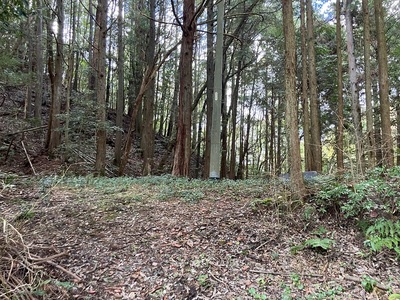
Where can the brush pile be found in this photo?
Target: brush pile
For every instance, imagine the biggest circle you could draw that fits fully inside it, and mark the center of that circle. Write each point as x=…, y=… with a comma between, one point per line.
x=24, y=275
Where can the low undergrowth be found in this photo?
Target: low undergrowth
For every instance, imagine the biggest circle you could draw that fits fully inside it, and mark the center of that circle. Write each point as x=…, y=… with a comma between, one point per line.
x=372, y=202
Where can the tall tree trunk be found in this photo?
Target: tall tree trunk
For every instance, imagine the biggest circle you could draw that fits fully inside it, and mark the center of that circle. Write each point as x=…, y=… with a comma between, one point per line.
x=181, y=165
x=272, y=152
x=147, y=141
x=304, y=90
x=92, y=68
x=387, y=141
x=120, y=92
x=316, y=149
x=297, y=182
x=355, y=104
x=398, y=128
x=55, y=73
x=100, y=64
x=340, y=104
x=368, y=85
x=210, y=87
x=215, y=158
x=377, y=126
x=239, y=174
x=109, y=58
x=235, y=97
x=69, y=75
x=39, y=62
x=31, y=49
x=280, y=113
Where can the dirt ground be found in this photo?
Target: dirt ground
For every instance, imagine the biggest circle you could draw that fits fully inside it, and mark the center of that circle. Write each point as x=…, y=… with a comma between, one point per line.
x=127, y=242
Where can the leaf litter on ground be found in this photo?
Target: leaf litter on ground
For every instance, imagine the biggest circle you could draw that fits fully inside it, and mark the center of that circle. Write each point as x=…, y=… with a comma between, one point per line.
x=171, y=238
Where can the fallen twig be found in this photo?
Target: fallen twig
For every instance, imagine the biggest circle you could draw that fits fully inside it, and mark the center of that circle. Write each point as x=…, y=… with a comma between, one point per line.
x=63, y=269
x=29, y=160
x=27, y=130
x=284, y=274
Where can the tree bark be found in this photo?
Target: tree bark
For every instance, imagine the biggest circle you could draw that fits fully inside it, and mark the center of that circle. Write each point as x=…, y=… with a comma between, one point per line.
x=210, y=88
x=316, y=149
x=308, y=165
x=55, y=74
x=100, y=64
x=147, y=141
x=120, y=105
x=39, y=62
x=235, y=97
x=181, y=164
x=387, y=140
x=355, y=104
x=215, y=154
x=368, y=85
x=340, y=103
x=297, y=182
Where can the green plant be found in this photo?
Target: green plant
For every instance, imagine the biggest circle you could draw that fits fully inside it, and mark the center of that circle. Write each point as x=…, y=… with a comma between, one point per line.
x=321, y=244
x=377, y=192
x=253, y=292
x=320, y=231
x=203, y=280
x=368, y=283
x=331, y=294
x=287, y=293
x=394, y=297
x=296, y=279
x=384, y=234
x=25, y=215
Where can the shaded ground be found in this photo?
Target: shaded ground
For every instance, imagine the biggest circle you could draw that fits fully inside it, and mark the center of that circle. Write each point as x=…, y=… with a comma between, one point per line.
x=167, y=238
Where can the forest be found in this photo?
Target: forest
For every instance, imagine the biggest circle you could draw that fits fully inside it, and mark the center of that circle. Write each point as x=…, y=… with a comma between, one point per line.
x=200, y=149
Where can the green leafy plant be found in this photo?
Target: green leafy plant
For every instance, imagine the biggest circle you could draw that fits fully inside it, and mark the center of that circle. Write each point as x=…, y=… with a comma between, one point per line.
x=384, y=234
x=296, y=279
x=331, y=293
x=394, y=297
x=368, y=283
x=321, y=244
x=377, y=192
x=256, y=295
x=203, y=280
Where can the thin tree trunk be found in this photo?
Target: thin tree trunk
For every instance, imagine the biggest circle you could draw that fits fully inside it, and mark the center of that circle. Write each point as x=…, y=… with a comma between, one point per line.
x=31, y=49
x=272, y=152
x=377, y=126
x=55, y=73
x=235, y=97
x=279, y=160
x=210, y=87
x=100, y=63
x=39, y=62
x=316, y=149
x=355, y=104
x=69, y=75
x=368, y=85
x=92, y=71
x=120, y=105
x=296, y=176
x=340, y=105
x=387, y=140
x=304, y=90
x=215, y=158
x=147, y=141
x=398, y=128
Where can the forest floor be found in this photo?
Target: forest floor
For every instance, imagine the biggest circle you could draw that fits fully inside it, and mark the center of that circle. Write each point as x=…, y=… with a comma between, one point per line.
x=170, y=238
